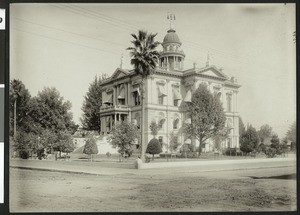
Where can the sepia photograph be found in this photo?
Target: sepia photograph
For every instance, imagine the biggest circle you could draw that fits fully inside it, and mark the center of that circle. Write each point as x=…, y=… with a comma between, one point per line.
x=152, y=107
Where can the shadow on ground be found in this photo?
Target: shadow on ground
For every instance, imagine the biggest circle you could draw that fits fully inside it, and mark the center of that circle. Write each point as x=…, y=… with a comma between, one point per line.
x=285, y=177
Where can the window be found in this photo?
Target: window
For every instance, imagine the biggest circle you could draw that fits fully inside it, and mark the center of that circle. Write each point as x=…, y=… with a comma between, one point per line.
x=175, y=140
x=161, y=123
x=161, y=93
x=160, y=100
x=121, y=96
x=136, y=98
x=107, y=99
x=121, y=101
x=219, y=94
x=176, y=103
x=229, y=101
x=229, y=143
x=176, y=96
x=175, y=123
x=137, y=119
x=160, y=140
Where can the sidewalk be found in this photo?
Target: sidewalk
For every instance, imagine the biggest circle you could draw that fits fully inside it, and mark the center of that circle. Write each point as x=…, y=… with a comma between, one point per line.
x=98, y=168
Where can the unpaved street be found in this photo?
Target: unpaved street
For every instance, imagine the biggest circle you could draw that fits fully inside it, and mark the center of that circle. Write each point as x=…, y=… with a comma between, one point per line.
x=243, y=190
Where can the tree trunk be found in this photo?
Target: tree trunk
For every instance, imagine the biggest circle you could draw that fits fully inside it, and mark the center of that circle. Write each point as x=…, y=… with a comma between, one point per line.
x=153, y=157
x=91, y=157
x=142, y=122
x=15, y=119
x=200, y=148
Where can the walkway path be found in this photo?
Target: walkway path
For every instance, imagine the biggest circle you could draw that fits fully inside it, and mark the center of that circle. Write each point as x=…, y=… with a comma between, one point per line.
x=99, y=168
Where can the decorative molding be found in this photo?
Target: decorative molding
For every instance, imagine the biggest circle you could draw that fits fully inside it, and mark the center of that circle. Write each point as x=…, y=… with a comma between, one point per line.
x=109, y=90
x=162, y=82
x=136, y=82
x=175, y=85
x=218, y=87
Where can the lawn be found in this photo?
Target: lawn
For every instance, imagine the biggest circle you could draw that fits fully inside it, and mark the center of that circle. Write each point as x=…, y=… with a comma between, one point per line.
x=251, y=190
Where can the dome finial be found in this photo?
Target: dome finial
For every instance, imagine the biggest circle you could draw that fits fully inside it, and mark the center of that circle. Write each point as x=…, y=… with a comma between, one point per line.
x=171, y=17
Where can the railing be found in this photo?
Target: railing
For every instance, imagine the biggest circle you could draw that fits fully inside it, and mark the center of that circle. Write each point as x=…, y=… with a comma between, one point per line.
x=115, y=107
x=171, y=51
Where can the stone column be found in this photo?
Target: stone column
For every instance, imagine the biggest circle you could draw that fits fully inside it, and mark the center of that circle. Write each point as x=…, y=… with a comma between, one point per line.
x=167, y=63
x=114, y=96
x=110, y=123
x=126, y=93
x=117, y=94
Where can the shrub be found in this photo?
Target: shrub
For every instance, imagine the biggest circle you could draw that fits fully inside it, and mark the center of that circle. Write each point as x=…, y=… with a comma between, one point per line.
x=232, y=152
x=153, y=147
x=24, y=154
x=108, y=154
x=270, y=152
x=90, y=147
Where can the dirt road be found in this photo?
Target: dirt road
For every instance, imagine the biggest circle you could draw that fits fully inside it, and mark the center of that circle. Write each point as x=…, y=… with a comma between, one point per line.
x=269, y=189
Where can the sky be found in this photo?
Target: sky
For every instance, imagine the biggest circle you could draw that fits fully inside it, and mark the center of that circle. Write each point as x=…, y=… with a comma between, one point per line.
x=66, y=45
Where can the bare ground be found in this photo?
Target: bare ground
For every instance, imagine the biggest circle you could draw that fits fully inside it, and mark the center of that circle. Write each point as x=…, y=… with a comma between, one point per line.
x=248, y=190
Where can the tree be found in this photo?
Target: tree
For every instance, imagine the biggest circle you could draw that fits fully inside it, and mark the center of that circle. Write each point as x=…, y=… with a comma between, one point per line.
x=49, y=111
x=174, y=143
x=18, y=105
x=144, y=59
x=207, y=116
x=275, y=143
x=154, y=127
x=265, y=131
x=249, y=140
x=91, y=105
x=90, y=147
x=123, y=136
x=291, y=135
x=64, y=143
x=25, y=144
x=242, y=128
x=276, y=148
x=153, y=147
x=50, y=120
x=220, y=137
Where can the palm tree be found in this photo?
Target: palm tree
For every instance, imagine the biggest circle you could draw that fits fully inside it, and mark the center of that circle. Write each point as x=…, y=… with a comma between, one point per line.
x=17, y=92
x=144, y=59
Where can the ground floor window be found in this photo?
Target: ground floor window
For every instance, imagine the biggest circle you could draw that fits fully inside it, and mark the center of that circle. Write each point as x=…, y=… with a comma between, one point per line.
x=160, y=140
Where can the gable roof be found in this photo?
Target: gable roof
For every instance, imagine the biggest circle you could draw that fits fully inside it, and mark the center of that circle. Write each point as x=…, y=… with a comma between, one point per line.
x=119, y=73
x=209, y=71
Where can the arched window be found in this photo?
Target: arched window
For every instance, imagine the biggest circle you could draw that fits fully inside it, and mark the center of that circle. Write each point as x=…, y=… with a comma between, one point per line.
x=137, y=120
x=161, y=119
x=161, y=122
x=176, y=123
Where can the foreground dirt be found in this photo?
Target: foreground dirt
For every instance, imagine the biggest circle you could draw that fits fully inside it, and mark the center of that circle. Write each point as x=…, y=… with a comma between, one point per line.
x=253, y=190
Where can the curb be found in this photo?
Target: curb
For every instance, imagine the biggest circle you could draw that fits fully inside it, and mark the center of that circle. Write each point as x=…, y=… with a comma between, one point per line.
x=57, y=170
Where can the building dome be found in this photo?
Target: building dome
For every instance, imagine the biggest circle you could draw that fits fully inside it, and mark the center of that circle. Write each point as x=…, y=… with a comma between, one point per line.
x=171, y=37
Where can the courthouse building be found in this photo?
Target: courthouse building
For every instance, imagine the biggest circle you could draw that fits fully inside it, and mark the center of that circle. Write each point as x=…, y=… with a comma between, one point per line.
x=166, y=91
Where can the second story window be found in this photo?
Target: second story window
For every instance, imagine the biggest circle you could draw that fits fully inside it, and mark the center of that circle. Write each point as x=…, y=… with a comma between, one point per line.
x=229, y=102
x=136, y=98
x=161, y=94
x=176, y=97
x=107, y=98
x=121, y=96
